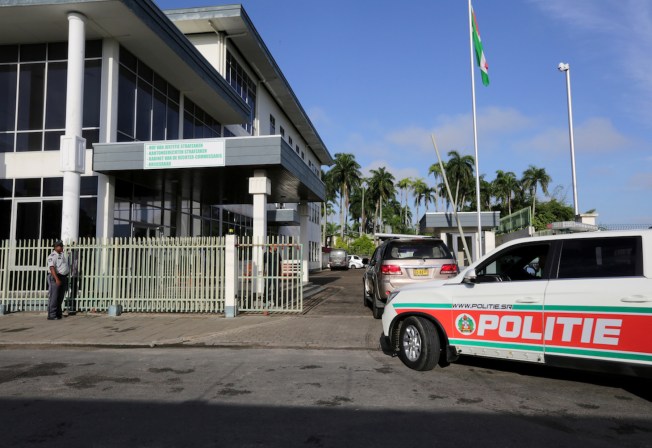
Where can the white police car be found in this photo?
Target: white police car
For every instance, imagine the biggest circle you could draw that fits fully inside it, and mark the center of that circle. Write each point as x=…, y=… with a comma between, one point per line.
x=588, y=305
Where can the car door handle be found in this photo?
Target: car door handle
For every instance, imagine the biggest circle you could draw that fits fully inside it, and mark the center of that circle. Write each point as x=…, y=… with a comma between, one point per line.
x=528, y=300
x=636, y=299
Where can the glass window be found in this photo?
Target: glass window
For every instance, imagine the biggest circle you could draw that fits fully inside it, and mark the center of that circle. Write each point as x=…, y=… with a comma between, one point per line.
x=30, y=97
x=28, y=220
x=601, y=257
x=522, y=262
x=5, y=211
x=53, y=186
x=8, y=76
x=92, y=93
x=126, y=101
x=32, y=52
x=143, y=111
x=6, y=188
x=55, y=109
x=52, y=140
x=88, y=186
x=87, y=216
x=93, y=49
x=26, y=188
x=29, y=141
x=159, y=120
x=51, y=223
x=58, y=51
x=6, y=142
x=8, y=53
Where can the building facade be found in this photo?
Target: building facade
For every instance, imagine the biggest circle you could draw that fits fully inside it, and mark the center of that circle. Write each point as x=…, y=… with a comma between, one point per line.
x=119, y=119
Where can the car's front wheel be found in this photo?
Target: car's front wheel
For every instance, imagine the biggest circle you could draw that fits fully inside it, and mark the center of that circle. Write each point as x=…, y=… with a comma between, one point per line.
x=419, y=346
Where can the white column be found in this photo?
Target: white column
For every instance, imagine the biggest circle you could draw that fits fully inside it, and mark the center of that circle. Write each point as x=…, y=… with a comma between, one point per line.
x=73, y=146
x=304, y=238
x=230, y=277
x=260, y=187
x=108, y=134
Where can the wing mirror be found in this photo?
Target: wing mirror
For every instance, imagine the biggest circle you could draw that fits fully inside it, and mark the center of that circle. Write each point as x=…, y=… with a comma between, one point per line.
x=470, y=276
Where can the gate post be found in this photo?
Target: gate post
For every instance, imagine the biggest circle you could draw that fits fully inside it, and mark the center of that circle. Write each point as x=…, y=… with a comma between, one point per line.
x=230, y=276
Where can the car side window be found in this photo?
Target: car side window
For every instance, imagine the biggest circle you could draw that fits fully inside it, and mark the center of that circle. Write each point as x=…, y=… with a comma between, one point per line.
x=522, y=262
x=601, y=257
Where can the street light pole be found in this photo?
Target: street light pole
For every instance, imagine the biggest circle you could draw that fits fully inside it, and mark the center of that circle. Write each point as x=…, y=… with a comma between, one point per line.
x=565, y=67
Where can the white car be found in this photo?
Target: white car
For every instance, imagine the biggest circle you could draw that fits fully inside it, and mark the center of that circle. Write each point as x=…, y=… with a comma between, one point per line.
x=355, y=262
x=576, y=300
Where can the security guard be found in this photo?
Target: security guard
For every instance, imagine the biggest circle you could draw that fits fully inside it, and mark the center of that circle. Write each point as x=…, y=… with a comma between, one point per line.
x=58, y=270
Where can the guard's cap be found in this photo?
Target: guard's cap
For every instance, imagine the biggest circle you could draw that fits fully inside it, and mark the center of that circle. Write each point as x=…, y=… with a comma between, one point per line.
x=58, y=243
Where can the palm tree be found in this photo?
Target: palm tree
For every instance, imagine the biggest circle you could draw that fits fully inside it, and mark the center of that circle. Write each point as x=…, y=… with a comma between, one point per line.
x=533, y=177
x=435, y=170
x=420, y=188
x=504, y=186
x=429, y=197
x=346, y=174
x=382, y=182
x=331, y=196
x=459, y=170
x=405, y=185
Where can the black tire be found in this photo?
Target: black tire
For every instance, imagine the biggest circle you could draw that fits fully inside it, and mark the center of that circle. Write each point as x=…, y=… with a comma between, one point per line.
x=365, y=296
x=376, y=310
x=419, y=346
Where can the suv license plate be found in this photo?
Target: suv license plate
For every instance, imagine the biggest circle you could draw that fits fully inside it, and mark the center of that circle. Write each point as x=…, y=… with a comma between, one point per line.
x=420, y=272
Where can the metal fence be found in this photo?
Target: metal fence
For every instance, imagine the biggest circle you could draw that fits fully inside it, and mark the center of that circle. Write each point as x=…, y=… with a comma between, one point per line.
x=178, y=275
x=270, y=275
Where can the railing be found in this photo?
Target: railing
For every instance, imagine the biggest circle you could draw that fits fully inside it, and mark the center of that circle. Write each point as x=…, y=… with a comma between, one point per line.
x=270, y=275
x=178, y=275
x=517, y=220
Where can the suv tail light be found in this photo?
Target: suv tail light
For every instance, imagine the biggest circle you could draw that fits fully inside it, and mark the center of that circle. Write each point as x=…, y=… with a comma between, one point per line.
x=390, y=269
x=449, y=269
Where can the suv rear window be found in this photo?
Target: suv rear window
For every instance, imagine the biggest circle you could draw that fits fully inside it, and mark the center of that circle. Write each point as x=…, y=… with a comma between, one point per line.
x=401, y=250
x=601, y=257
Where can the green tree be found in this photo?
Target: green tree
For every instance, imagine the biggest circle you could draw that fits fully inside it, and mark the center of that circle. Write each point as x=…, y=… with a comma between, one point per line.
x=459, y=170
x=552, y=211
x=420, y=188
x=404, y=185
x=440, y=187
x=346, y=174
x=382, y=184
x=504, y=186
x=327, y=205
x=532, y=178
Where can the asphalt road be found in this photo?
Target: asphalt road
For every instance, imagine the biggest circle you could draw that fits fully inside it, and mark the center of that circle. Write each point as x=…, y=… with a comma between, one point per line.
x=285, y=397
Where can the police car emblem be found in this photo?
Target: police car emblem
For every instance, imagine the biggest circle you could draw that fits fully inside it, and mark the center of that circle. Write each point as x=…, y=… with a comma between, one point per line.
x=465, y=324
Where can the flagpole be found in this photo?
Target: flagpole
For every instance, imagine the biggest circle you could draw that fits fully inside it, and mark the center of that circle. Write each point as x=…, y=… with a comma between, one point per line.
x=475, y=135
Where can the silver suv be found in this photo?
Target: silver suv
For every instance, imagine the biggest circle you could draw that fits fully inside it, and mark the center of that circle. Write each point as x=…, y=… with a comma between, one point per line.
x=402, y=261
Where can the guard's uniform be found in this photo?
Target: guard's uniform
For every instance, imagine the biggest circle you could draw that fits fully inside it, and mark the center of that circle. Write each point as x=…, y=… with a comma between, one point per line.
x=56, y=293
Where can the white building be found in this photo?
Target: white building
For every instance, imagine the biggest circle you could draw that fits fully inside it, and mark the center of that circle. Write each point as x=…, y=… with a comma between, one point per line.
x=119, y=119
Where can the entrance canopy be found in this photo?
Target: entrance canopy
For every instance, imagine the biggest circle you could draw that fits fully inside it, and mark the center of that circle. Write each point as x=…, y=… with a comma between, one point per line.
x=224, y=180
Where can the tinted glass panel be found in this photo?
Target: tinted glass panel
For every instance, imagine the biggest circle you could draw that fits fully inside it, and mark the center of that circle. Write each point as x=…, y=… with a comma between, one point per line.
x=91, y=136
x=28, y=220
x=33, y=52
x=601, y=257
x=51, y=224
x=92, y=93
x=521, y=262
x=8, y=53
x=5, y=212
x=55, y=109
x=143, y=111
x=126, y=102
x=8, y=74
x=88, y=186
x=6, y=142
x=28, y=188
x=87, y=217
x=53, y=186
x=30, y=97
x=93, y=49
x=58, y=51
x=29, y=141
x=6, y=188
x=52, y=140
x=159, y=120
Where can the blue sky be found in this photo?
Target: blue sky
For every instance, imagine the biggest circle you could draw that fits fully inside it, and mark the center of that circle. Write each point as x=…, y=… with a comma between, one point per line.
x=377, y=78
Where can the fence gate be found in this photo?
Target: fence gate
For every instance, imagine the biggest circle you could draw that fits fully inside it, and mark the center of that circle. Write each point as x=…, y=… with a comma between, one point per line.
x=270, y=275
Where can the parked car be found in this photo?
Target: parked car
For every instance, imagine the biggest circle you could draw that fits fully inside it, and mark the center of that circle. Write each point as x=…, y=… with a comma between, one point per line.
x=355, y=262
x=338, y=259
x=588, y=305
x=402, y=261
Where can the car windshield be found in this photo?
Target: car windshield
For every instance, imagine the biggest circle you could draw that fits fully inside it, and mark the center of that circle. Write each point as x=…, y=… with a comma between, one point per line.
x=416, y=250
